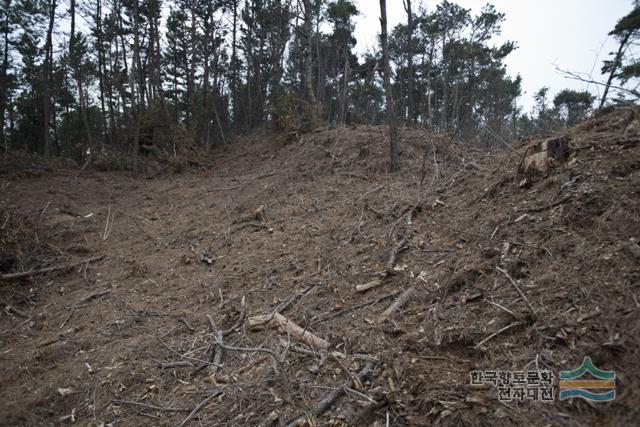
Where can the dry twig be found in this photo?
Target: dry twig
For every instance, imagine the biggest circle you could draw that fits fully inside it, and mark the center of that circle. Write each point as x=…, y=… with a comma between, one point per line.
x=30, y=273
x=515, y=285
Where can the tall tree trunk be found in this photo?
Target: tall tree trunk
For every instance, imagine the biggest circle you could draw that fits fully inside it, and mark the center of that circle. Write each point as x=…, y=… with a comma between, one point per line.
x=136, y=72
x=158, y=64
x=614, y=67
x=394, y=163
x=191, y=86
x=5, y=66
x=101, y=67
x=48, y=55
x=411, y=77
x=206, y=105
x=308, y=71
x=234, y=65
x=75, y=64
x=110, y=101
x=445, y=89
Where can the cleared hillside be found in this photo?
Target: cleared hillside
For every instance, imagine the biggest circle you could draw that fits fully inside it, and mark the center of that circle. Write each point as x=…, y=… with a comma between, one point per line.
x=507, y=273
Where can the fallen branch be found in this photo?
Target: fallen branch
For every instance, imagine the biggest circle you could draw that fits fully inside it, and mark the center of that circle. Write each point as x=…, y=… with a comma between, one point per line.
x=378, y=281
x=294, y=298
x=30, y=273
x=90, y=297
x=233, y=187
x=240, y=320
x=178, y=364
x=393, y=255
x=12, y=310
x=388, y=270
x=354, y=307
x=353, y=175
x=218, y=350
x=468, y=233
x=331, y=398
x=148, y=223
x=289, y=327
x=515, y=285
x=148, y=406
x=197, y=408
x=273, y=355
x=495, y=334
x=402, y=300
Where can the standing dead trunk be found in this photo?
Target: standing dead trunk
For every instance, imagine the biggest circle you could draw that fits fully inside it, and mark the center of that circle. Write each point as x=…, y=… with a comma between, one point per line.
x=394, y=163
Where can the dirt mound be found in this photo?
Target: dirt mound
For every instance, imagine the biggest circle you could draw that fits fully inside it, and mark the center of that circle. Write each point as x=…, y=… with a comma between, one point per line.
x=500, y=270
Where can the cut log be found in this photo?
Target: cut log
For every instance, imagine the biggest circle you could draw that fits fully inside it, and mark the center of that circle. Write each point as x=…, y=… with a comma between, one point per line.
x=287, y=326
x=397, y=304
x=370, y=285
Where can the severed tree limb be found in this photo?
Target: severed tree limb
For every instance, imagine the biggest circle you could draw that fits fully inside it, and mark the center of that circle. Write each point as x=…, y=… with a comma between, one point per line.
x=178, y=364
x=218, y=350
x=289, y=327
x=274, y=356
x=378, y=281
x=393, y=254
x=200, y=405
x=515, y=285
x=30, y=273
x=148, y=406
x=402, y=300
x=90, y=297
x=354, y=307
x=294, y=298
x=240, y=320
x=495, y=334
x=391, y=262
x=320, y=407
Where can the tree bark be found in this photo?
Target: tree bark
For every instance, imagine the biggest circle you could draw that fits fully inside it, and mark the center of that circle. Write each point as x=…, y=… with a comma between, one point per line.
x=410, y=71
x=394, y=163
x=234, y=65
x=308, y=72
x=192, y=66
x=136, y=72
x=48, y=52
x=5, y=66
x=75, y=64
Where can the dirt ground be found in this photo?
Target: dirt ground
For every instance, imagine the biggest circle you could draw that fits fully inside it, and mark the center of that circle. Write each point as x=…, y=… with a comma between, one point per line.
x=304, y=220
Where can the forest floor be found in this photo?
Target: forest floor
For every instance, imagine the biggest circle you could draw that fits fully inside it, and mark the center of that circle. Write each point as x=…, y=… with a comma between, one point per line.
x=505, y=274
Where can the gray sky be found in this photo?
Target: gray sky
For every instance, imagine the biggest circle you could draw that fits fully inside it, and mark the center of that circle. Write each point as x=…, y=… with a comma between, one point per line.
x=569, y=33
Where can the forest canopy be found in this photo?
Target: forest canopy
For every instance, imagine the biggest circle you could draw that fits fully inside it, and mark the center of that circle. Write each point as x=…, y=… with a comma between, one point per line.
x=83, y=75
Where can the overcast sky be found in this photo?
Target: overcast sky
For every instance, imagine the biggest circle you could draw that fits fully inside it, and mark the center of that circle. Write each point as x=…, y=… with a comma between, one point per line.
x=569, y=33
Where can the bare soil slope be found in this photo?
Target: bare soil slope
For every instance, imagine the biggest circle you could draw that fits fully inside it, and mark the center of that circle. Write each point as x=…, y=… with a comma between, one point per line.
x=295, y=224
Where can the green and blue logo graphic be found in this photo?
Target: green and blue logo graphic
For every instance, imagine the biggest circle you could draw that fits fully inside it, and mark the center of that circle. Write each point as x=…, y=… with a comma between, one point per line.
x=604, y=382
